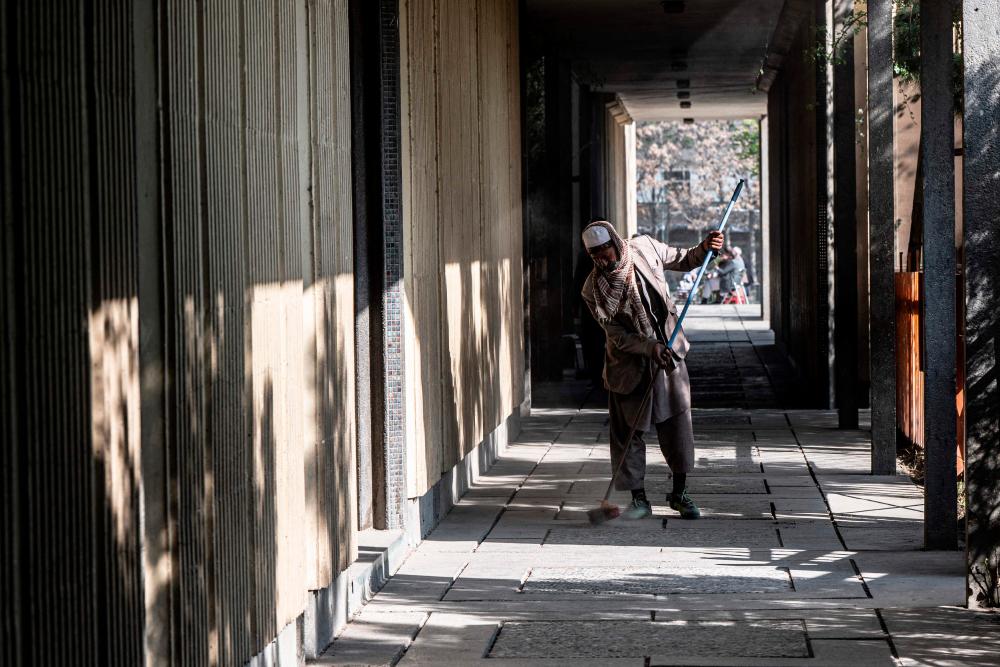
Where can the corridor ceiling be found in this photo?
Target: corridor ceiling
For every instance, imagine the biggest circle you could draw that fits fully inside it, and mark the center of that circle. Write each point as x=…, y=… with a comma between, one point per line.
x=641, y=49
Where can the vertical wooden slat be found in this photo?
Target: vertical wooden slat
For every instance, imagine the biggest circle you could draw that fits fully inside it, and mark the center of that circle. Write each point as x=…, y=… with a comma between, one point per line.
x=910, y=376
x=463, y=233
x=11, y=567
x=264, y=261
x=515, y=250
x=342, y=343
x=423, y=264
x=50, y=229
x=493, y=218
x=225, y=211
x=114, y=326
x=331, y=471
x=231, y=273
x=322, y=471
x=71, y=581
x=460, y=233
x=185, y=329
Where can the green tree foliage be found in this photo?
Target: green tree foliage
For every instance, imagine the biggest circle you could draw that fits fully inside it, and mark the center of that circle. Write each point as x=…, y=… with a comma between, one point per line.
x=906, y=48
x=694, y=167
x=747, y=138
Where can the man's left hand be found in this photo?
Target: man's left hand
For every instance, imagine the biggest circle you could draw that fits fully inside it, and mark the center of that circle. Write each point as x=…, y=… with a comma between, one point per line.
x=713, y=241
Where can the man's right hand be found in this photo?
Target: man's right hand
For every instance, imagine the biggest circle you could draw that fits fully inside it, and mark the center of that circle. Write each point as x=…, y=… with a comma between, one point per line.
x=661, y=355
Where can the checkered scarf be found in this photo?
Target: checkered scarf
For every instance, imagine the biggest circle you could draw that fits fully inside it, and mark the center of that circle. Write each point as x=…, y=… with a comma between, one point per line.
x=617, y=291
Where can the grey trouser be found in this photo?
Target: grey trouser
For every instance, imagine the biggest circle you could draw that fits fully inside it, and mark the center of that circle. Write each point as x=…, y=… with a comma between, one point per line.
x=675, y=435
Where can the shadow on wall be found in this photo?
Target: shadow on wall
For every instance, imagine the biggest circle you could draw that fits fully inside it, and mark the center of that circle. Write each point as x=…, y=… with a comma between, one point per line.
x=479, y=306
x=330, y=487
x=982, y=328
x=115, y=374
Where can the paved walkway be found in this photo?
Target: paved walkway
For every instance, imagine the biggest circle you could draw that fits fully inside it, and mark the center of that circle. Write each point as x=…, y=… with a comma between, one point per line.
x=801, y=558
x=736, y=363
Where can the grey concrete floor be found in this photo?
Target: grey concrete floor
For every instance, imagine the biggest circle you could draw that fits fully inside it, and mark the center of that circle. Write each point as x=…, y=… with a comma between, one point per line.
x=801, y=558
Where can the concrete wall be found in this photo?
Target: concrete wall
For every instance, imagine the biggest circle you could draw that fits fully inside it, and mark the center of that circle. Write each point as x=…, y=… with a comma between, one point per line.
x=178, y=351
x=861, y=179
x=178, y=318
x=462, y=229
x=620, y=169
x=70, y=574
x=259, y=328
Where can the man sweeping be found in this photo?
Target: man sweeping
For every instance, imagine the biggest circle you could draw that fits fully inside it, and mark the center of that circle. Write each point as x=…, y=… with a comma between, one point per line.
x=627, y=294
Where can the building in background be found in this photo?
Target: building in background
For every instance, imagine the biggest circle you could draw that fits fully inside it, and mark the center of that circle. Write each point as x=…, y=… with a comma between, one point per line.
x=685, y=175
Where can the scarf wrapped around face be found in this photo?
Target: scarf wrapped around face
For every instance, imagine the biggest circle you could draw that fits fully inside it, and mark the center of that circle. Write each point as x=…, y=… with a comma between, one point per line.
x=617, y=291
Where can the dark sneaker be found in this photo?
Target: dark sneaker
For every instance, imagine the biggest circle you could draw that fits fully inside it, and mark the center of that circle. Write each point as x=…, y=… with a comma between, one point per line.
x=683, y=504
x=638, y=509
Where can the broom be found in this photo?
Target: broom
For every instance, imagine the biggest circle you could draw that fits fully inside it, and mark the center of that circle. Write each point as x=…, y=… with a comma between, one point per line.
x=608, y=510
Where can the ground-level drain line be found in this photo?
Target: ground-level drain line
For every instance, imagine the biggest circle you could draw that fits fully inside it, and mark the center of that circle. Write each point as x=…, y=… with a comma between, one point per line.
x=861, y=578
x=493, y=639
x=454, y=579
x=888, y=637
x=409, y=642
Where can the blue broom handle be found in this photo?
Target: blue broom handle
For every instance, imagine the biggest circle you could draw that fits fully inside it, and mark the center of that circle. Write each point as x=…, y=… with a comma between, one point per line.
x=704, y=265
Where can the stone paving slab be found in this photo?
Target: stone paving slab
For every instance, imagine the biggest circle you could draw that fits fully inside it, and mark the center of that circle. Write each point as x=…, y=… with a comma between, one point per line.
x=914, y=578
x=824, y=653
x=766, y=562
x=677, y=533
x=700, y=484
x=623, y=639
x=462, y=639
x=945, y=636
x=663, y=580
x=801, y=508
x=712, y=507
x=805, y=480
x=373, y=639
x=808, y=534
x=884, y=535
x=793, y=491
x=721, y=506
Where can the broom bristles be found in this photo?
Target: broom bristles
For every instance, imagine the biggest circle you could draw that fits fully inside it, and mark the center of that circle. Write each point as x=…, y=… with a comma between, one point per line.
x=605, y=512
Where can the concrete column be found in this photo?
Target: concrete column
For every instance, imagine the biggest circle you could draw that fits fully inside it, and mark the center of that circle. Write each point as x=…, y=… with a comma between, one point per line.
x=548, y=187
x=882, y=234
x=598, y=154
x=628, y=180
x=937, y=143
x=824, y=385
x=619, y=174
x=845, y=226
x=764, y=166
x=981, y=208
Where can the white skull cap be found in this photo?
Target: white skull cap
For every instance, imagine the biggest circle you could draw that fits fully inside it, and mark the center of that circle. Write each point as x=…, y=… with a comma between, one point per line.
x=595, y=235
